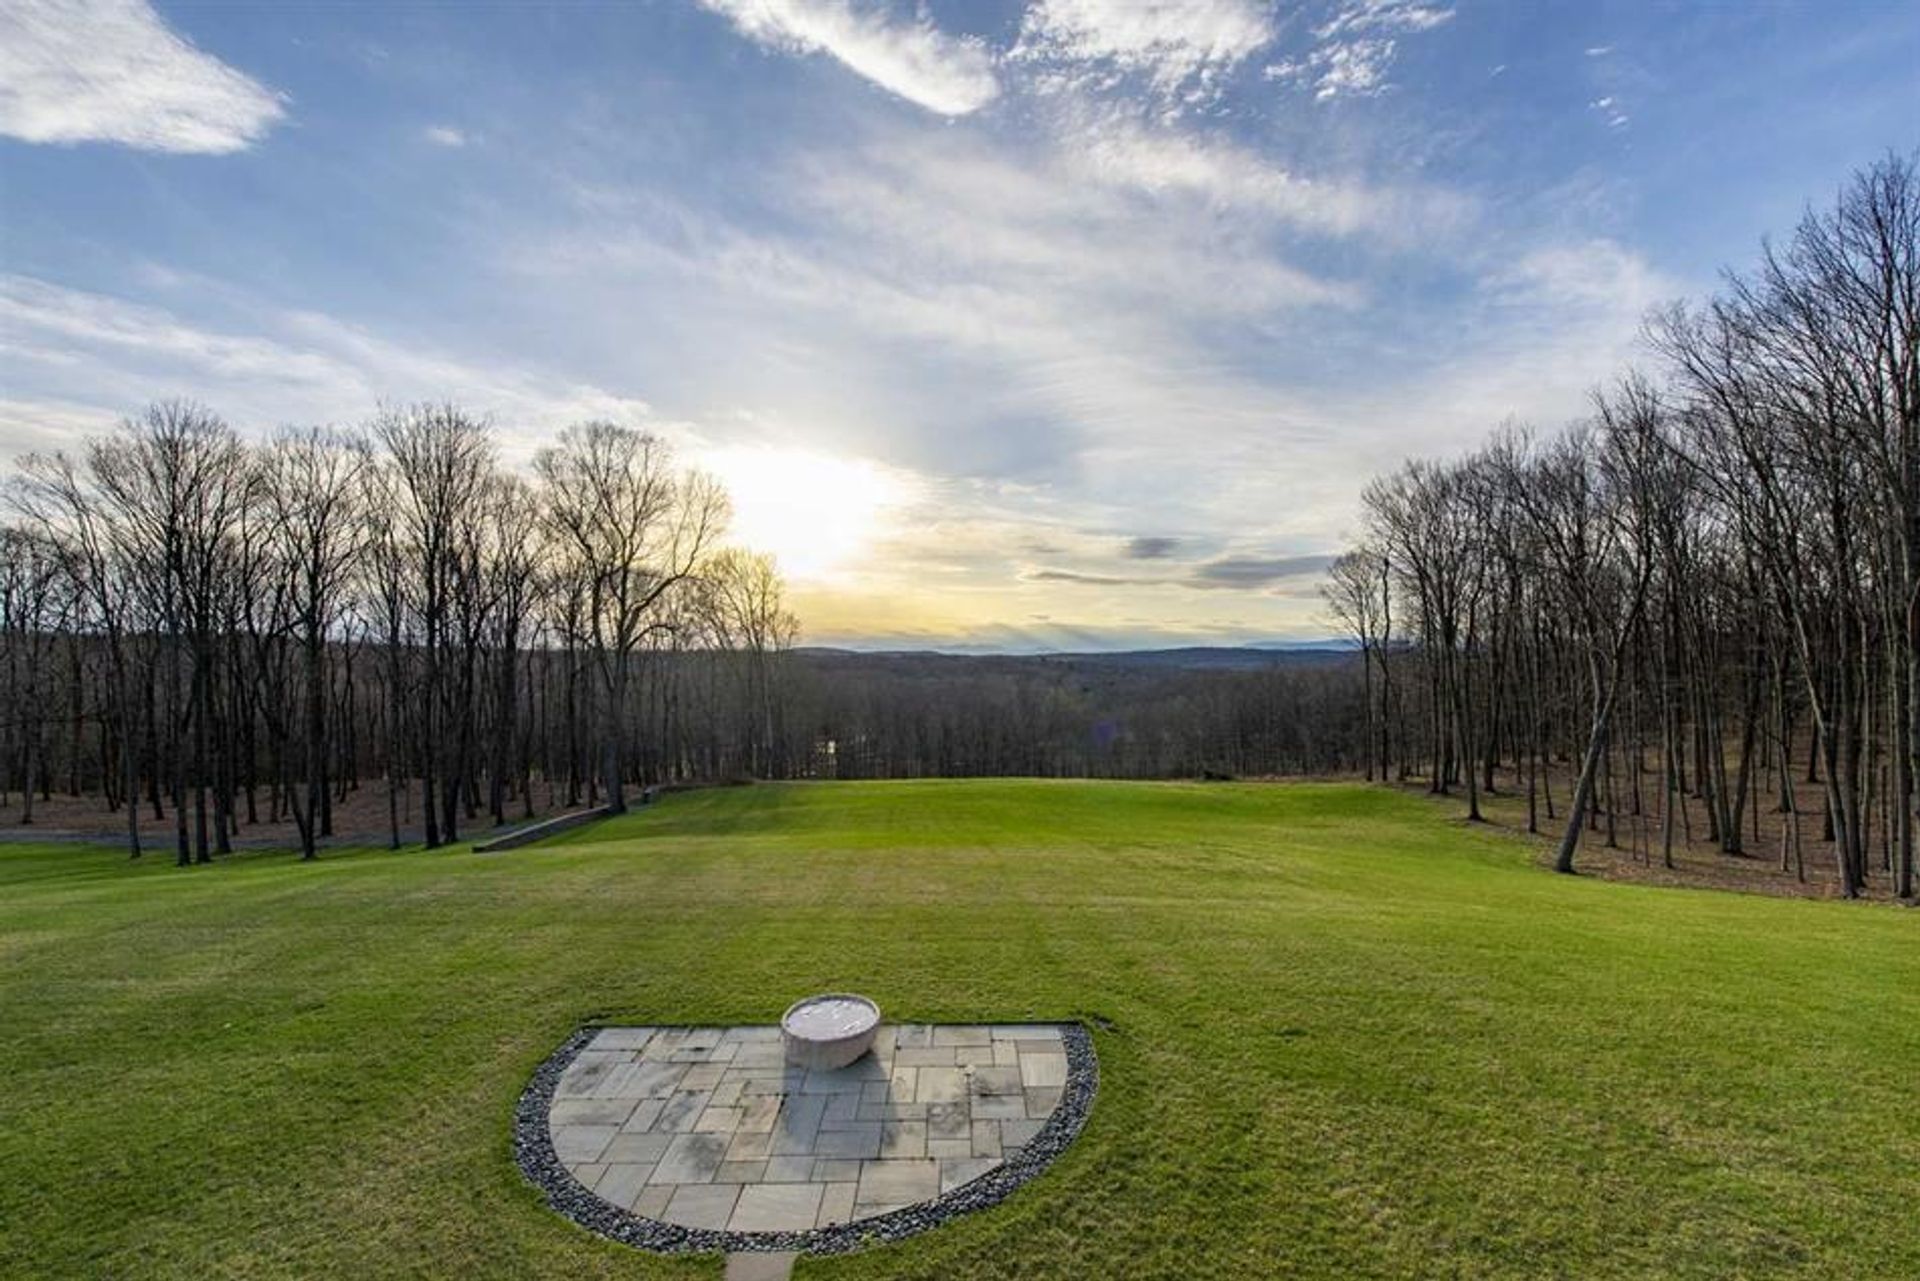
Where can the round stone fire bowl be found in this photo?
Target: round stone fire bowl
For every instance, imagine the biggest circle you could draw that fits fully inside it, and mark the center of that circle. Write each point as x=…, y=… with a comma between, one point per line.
x=829, y=1031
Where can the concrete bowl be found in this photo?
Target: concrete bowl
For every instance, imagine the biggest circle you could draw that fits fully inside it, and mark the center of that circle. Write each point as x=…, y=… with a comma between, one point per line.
x=830, y=1030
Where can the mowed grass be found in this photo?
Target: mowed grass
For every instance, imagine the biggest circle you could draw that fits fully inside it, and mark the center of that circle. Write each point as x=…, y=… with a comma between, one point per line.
x=1339, y=1035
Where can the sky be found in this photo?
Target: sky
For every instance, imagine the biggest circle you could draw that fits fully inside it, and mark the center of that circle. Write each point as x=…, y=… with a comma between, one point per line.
x=1065, y=324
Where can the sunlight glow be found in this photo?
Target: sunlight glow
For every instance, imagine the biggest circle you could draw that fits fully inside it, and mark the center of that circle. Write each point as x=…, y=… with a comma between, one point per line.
x=815, y=513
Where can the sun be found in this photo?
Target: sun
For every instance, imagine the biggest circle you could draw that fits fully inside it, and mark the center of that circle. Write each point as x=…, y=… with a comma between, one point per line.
x=815, y=513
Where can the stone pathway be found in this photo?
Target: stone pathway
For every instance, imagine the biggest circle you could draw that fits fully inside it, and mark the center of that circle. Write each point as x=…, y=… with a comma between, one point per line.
x=709, y=1127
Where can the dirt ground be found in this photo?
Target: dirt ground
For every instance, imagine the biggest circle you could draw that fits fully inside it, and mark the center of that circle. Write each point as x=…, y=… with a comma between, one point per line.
x=359, y=819
x=1766, y=865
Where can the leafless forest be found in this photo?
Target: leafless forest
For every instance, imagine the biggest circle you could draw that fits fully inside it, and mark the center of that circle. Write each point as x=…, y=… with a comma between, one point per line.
x=1707, y=589
x=1693, y=615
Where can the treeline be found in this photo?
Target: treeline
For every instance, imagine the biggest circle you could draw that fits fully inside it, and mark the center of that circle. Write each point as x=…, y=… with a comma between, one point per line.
x=1085, y=716
x=204, y=634
x=1704, y=592
x=223, y=632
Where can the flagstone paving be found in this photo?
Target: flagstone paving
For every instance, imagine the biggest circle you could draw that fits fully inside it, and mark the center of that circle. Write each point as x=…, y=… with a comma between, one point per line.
x=710, y=1128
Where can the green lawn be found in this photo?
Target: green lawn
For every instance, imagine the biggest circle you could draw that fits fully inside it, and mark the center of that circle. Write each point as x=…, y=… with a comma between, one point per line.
x=1339, y=1035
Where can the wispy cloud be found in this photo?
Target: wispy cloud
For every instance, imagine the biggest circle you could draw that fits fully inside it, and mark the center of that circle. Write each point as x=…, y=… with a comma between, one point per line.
x=1236, y=573
x=1383, y=15
x=445, y=136
x=1177, y=46
x=1075, y=576
x=1165, y=161
x=1610, y=109
x=1250, y=572
x=76, y=71
x=950, y=75
x=1357, y=47
x=1151, y=547
x=292, y=366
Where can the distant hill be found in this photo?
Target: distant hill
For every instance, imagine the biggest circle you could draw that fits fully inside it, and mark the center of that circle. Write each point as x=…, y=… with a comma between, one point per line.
x=1207, y=658
x=1195, y=658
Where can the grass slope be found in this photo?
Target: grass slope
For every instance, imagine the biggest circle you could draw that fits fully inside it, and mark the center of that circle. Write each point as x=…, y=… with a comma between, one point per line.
x=1338, y=1035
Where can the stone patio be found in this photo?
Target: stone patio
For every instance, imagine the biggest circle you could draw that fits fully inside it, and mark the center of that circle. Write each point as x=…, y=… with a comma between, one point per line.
x=708, y=1128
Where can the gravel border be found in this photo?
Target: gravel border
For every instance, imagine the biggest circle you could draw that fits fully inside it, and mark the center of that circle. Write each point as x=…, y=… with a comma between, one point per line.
x=566, y=1195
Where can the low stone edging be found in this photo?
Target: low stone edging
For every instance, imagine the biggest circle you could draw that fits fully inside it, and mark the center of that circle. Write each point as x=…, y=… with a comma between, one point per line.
x=540, y=831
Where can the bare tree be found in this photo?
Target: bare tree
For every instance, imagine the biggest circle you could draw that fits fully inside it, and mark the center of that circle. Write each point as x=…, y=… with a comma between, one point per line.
x=629, y=530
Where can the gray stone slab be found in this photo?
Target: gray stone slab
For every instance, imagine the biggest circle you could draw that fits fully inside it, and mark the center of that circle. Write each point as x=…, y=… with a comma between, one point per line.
x=846, y=1080
x=1041, y=1103
x=578, y=1144
x=681, y=1111
x=637, y=1149
x=741, y=1172
x=703, y=1076
x=704, y=1045
x=758, y=1055
x=1048, y=1071
x=777, y=1207
x=758, y=1113
x=653, y=1202
x=752, y=1084
x=925, y=1056
x=790, y=1168
x=953, y=1034
x=664, y=1042
x=836, y=1170
x=647, y=1080
x=590, y=1112
x=949, y=1120
x=1015, y=1134
x=702, y=1205
x=955, y=1173
x=691, y=1158
x=836, y=1203
x=1000, y=1107
x=898, y=1182
x=903, y=1139
x=620, y=1038
x=947, y=1149
x=622, y=1183
x=750, y=1147
x=986, y=1139
x=586, y=1073
x=873, y=1209
x=857, y=1140
x=760, y=1033
x=645, y=1113
x=798, y=1123
x=718, y=1121
x=941, y=1085
x=995, y=1080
